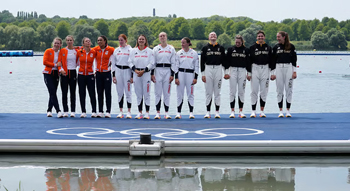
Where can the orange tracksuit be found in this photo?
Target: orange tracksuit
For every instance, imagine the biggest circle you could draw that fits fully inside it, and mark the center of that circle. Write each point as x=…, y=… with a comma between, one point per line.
x=103, y=58
x=49, y=57
x=86, y=61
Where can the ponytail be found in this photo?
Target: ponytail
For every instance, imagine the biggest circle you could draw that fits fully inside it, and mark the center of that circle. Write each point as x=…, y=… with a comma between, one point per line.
x=287, y=45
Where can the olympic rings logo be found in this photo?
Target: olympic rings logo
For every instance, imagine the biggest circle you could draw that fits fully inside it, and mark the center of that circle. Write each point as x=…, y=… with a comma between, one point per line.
x=166, y=133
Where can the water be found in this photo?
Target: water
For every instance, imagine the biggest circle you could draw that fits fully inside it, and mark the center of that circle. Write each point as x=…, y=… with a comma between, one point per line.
x=24, y=90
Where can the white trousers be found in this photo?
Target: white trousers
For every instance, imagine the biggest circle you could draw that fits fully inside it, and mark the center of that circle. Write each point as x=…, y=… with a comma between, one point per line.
x=162, y=85
x=123, y=85
x=260, y=82
x=142, y=87
x=213, y=75
x=284, y=81
x=237, y=80
x=186, y=80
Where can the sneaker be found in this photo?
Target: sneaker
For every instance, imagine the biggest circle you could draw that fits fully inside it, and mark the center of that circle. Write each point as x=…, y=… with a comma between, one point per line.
x=253, y=115
x=288, y=114
x=207, y=116
x=59, y=114
x=93, y=115
x=191, y=116
x=120, y=115
x=49, y=114
x=100, y=115
x=157, y=116
x=167, y=116
x=241, y=115
x=178, y=116
x=262, y=115
x=146, y=116
x=72, y=114
x=65, y=114
x=108, y=115
x=83, y=115
x=232, y=114
x=281, y=114
x=128, y=115
x=138, y=116
x=217, y=115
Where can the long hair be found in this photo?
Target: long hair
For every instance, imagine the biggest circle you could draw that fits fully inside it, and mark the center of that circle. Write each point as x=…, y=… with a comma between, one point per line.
x=137, y=41
x=105, y=39
x=188, y=40
x=287, y=45
x=240, y=38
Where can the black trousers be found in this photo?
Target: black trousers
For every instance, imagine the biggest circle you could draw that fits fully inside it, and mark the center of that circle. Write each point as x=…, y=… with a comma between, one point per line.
x=104, y=85
x=69, y=80
x=51, y=82
x=89, y=83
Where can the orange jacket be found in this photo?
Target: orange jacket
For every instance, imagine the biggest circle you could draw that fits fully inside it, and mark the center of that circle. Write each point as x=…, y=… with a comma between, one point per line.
x=86, y=61
x=103, y=58
x=62, y=57
x=49, y=57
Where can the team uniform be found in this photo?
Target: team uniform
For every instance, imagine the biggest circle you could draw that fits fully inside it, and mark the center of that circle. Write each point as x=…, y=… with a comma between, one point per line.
x=259, y=70
x=68, y=58
x=212, y=58
x=142, y=60
x=285, y=61
x=104, y=78
x=123, y=74
x=164, y=68
x=86, y=79
x=51, y=79
x=237, y=60
x=187, y=65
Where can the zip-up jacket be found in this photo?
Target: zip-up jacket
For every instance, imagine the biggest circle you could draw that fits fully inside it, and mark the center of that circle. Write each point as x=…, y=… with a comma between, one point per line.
x=212, y=54
x=86, y=61
x=141, y=59
x=237, y=57
x=187, y=61
x=280, y=55
x=48, y=61
x=103, y=58
x=260, y=55
x=62, y=57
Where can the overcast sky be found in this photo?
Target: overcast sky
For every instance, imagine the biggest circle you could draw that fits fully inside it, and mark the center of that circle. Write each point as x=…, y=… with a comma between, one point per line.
x=261, y=10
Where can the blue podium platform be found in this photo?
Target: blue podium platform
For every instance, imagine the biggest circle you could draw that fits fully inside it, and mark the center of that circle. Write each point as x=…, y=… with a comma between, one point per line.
x=304, y=132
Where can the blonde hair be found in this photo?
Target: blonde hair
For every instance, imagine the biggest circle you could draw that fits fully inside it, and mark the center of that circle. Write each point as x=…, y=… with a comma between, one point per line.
x=57, y=38
x=240, y=38
x=70, y=36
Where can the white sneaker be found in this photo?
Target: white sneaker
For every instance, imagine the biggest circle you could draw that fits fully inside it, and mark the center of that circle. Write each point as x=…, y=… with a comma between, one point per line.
x=262, y=114
x=232, y=114
x=49, y=114
x=72, y=114
x=93, y=115
x=157, y=116
x=108, y=115
x=100, y=115
x=128, y=115
x=120, y=115
x=146, y=116
x=167, y=116
x=241, y=115
x=178, y=116
x=288, y=114
x=59, y=114
x=65, y=114
x=207, y=116
x=281, y=114
x=217, y=115
x=191, y=116
x=83, y=115
x=138, y=116
x=253, y=115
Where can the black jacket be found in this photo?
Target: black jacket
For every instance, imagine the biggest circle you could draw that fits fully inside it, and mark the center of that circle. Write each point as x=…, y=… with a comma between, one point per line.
x=237, y=57
x=280, y=55
x=212, y=55
x=260, y=55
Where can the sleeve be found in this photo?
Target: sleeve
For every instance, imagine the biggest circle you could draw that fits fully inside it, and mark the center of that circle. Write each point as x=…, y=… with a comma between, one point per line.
x=173, y=62
x=131, y=60
x=249, y=65
x=294, y=57
x=228, y=60
x=47, y=61
x=77, y=58
x=196, y=66
x=60, y=60
x=151, y=62
x=272, y=59
x=247, y=53
x=177, y=64
x=113, y=61
x=203, y=60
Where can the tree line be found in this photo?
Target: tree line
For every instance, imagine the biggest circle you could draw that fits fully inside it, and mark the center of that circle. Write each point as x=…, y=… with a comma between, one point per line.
x=33, y=31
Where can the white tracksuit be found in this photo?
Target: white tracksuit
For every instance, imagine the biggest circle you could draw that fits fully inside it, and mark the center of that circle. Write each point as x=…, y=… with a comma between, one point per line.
x=188, y=63
x=142, y=60
x=238, y=78
x=122, y=73
x=260, y=80
x=162, y=73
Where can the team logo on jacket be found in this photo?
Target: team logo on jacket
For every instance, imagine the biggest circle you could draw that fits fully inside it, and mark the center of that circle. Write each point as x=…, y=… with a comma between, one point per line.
x=208, y=49
x=278, y=48
x=234, y=50
x=50, y=53
x=64, y=55
x=91, y=55
x=256, y=49
x=106, y=52
x=266, y=48
x=135, y=52
x=219, y=49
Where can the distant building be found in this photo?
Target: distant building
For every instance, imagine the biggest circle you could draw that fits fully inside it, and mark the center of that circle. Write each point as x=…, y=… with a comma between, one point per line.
x=154, y=12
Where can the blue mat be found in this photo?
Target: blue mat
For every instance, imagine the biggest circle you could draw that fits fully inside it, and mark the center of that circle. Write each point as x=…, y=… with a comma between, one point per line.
x=310, y=126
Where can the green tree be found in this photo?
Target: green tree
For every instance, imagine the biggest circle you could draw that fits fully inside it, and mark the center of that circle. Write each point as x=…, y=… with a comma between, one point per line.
x=295, y=27
x=27, y=38
x=288, y=29
x=102, y=26
x=175, y=25
x=325, y=21
x=197, y=29
x=319, y=40
x=338, y=40
x=326, y=29
x=225, y=40
x=345, y=32
x=81, y=22
x=314, y=23
x=319, y=27
x=63, y=28
x=214, y=26
x=6, y=17
x=184, y=30
x=304, y=31
x=270, y=30
x=332, y=23
x=81, y=31
x=229, y=28
x=46, y=34
x=11, y=33
x=249, y=34
x=2, y=35
x=287, y=21
x=174, y=16
x=42, y=18
x=137, y=30
x=121, y=29
x=238, y=27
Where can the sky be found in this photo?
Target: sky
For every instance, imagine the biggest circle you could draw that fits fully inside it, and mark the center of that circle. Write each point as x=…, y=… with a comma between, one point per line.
x=267, y=10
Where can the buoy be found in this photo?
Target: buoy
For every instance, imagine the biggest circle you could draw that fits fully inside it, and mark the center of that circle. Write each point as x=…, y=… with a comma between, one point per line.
x=320, y=71
x=10, y=61
x=297, y=66
x=340, y=59
x=10, y=72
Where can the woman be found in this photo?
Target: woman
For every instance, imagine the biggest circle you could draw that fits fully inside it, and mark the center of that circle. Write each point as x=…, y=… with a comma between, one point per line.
x=51, y=77
x=68, y=59
x=141, y=61
x=122, y=74
x=259, y=72
x=103, y=75
x=285, y=58
x=186, y=77
x=86, y=77
x=163, y=74
x=237, y=60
